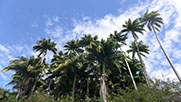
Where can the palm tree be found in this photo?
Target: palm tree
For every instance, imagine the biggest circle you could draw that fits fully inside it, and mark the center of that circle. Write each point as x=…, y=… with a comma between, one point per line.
x=36, y=69
x=85, y=42
x=104, y=54
x=154, y=22
x=135, y=27
x=42, y=46
x=119, y=37
x=142, y=48
x=73, y=49
x=18, y=79
x=23, y=75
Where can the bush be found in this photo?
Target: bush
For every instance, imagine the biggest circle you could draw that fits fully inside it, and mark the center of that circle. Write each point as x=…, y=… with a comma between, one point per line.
x=160, y=91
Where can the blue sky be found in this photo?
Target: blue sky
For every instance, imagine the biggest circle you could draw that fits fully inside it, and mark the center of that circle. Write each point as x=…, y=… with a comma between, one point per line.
x=24, y=22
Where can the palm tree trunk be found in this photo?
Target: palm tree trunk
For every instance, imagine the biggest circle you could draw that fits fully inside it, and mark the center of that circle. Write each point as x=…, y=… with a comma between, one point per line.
x=26, y=84
x=49, y=85
x=130, y=73
x=87, y=100
x=73, y=90
x=34, y=85
x=17, y=96
x=21, y=96
x=141, y=60
x=103, y=88
x=170, y=62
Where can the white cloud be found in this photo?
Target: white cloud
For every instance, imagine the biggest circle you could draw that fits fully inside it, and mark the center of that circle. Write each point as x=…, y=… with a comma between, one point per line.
x=169, y=35
x=56, y=18
x=2, y=48
x=156, y=62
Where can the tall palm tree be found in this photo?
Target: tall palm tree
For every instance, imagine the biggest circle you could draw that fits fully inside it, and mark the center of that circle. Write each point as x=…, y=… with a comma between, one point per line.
x=42, y=46
x=119, y=37
x=36, y=69
x=25, y=71
x=142, y=47
x=73, y=49
x=21, y=74
x=154, y=22
x=104, y=54
x=133, y=28
x=85, y=42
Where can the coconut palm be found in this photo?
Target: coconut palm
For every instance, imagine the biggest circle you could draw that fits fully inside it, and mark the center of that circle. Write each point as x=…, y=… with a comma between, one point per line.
x=119, y=37
x=133, y=28
x=153, y=22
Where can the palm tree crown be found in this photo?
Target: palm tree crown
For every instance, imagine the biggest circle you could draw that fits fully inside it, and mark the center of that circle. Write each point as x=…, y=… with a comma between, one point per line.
x=72, y=46
x=152, y=19
x=132, y=27
x=43, y=45
x=142, y=48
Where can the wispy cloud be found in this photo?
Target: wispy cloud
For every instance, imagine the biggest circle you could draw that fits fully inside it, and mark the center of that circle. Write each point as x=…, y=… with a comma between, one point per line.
x=156, y=62
x=2, y=48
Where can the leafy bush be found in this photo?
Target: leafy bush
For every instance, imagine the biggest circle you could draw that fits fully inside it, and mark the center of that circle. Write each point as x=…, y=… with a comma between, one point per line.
x=160, y=91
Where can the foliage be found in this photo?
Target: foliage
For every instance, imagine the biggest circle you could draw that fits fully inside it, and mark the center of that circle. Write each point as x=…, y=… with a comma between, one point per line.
x=161, y=91
x=88, y=69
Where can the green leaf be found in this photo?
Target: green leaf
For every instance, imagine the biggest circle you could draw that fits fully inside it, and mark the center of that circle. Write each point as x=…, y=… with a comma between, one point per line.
x=15, y=76
x=149, y=27
x=5, y=69
x=30, y=68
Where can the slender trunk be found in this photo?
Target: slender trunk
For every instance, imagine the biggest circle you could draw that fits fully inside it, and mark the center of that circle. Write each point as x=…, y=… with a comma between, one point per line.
x=17, y=96
x=170, y=62
x=73, y=90
x=34, y=85
x=141, y=60
x=21, y=96
x=87, y=100
x=44, y=54
x=49, y=85
x=26, y=84
x=130, y=73
x=103, y=88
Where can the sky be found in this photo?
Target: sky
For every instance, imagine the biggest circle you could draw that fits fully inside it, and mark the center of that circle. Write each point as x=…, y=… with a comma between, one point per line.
x=23, y=22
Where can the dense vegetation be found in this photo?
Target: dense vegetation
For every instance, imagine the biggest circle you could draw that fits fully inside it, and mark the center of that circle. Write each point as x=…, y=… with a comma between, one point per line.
x=92, y=70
